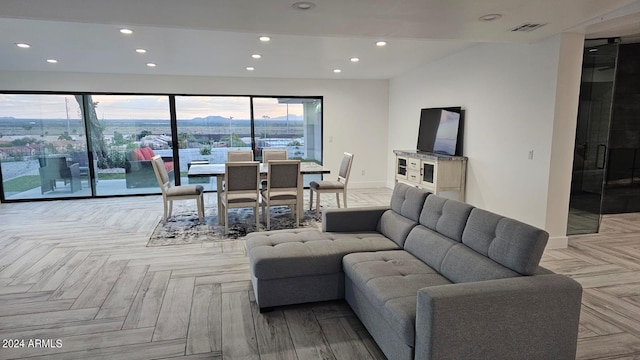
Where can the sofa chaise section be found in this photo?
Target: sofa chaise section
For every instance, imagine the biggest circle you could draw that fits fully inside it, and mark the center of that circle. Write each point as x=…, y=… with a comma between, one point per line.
x=305, y=265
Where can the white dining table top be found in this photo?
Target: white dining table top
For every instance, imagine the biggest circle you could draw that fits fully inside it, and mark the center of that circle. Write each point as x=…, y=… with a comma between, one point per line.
x=201, y=170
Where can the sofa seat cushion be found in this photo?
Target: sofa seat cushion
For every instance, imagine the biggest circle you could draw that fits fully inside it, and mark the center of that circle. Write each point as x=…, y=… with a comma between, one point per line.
x=303, y=252
x=390, y=280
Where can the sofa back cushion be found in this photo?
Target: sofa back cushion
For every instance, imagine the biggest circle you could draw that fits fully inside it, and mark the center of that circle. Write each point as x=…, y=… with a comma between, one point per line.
x=445, y=216
x=395, y=226
x=508, y=242
x=428, y=246
x=462, y=264
x=442, y=222
x=406, y=205
x=454, y=260
x=408, y=200
x=467, y=244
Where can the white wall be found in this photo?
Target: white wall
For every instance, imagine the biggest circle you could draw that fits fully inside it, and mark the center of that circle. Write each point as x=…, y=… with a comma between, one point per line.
x=355, y=111
x=564, y=133
x=509, y=94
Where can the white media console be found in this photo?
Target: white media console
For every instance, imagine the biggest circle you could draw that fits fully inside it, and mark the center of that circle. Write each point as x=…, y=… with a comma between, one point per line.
x=437, y=173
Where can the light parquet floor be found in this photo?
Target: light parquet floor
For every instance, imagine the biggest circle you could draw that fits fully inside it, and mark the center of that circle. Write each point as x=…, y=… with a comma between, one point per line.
x=607, y=265
x=79, y=272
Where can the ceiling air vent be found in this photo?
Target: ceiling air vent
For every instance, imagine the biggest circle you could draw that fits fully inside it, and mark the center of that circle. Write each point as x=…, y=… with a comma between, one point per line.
x=528, y=27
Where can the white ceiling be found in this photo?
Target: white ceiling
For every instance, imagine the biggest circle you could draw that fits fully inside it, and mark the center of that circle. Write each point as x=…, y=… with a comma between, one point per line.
x=217, y=37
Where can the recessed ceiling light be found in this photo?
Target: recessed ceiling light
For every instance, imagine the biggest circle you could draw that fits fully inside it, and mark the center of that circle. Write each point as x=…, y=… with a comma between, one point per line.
x=381, y=43
x=23, y=45
x=141, y=51
x=490, y=17
x=151, y=65
x=256, y=56
x=337, y=71
x=593, y=50
x=303, y=5
x=126, y=31
x=52, y=61
x=354, y=59
x=250, y=68
x=264, y=38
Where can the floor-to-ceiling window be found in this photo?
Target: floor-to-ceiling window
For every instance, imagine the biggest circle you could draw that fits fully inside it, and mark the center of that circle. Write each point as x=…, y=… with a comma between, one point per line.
x=208, y=127
x=43, y=148
x=83, y=145
x=125, y=131
x=291, y=123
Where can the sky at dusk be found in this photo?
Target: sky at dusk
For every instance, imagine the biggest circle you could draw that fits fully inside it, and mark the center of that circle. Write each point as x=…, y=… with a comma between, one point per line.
x=142, y=107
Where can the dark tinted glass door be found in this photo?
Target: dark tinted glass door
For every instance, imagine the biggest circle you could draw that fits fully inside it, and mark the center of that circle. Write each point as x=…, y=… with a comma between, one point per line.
x=592, y=137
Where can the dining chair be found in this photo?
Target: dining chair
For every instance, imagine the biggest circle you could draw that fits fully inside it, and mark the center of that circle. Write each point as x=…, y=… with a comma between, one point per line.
x=272, y=154
x=181, y=192
x=328, y=186
x=242, y=179
x=283, y=185
x=239, y=155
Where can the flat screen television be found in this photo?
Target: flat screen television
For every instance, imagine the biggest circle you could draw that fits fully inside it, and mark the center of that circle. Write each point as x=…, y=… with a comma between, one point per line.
x=440, y=131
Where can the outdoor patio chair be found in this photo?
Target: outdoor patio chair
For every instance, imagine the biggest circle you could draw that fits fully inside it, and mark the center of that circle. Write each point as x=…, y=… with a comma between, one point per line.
x=56, y=168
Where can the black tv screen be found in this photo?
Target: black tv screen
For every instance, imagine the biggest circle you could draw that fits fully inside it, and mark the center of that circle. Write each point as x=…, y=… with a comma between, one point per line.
x=440, y=131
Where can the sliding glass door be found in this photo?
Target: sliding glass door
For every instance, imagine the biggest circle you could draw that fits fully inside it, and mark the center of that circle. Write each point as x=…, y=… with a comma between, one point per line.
x=43, y=148
x=208, y=127
x=289, y=123
x=592, y=137
x=125, y=132
x=84, y=145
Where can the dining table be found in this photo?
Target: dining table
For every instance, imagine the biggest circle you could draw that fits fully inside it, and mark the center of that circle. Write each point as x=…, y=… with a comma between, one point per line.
x=217, y=170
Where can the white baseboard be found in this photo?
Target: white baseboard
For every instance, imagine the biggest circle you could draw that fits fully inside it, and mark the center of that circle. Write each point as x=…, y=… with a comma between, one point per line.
x=367, y=184
x=558, y=242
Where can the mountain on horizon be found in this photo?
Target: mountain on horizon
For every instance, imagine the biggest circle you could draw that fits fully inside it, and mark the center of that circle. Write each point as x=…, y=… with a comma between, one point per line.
x=218, y=118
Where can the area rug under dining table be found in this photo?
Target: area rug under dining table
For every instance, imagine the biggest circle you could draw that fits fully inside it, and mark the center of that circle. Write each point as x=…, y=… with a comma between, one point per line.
x=184, y=228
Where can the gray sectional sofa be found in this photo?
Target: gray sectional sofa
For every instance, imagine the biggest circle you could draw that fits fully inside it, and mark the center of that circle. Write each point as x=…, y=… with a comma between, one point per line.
x=430, y=278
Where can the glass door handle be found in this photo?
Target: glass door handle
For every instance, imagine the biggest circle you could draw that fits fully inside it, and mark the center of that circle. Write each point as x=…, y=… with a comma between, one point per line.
x=601, y=156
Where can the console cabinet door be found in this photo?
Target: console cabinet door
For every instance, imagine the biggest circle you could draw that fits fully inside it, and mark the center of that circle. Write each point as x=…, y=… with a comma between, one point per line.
x=429, y=175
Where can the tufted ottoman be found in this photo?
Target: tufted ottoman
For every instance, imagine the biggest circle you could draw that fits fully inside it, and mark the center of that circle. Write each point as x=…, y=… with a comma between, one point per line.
x=304, y=265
